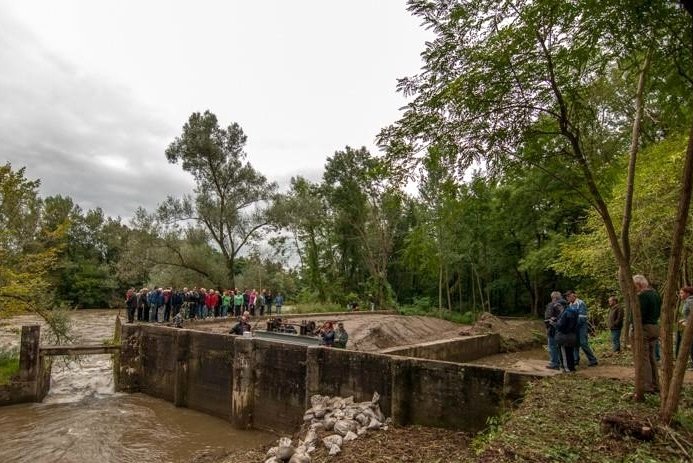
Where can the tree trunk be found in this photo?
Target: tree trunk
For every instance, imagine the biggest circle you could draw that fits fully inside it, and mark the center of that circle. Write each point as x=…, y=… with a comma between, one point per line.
x=672, y=396
x=447, y=288
x=440, y=285
x=231, y=269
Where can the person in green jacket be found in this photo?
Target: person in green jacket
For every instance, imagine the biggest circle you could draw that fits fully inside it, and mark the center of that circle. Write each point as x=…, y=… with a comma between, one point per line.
x=238, y=303
x=226, y=302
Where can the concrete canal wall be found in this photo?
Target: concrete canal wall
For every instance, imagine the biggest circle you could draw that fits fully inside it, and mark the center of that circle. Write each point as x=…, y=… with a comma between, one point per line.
x=33, y=379
x=267, y=385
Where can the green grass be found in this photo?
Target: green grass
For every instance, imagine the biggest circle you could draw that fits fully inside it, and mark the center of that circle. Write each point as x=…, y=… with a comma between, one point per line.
x=466, y=318
x=312, y=307
x=9, y=365
x=560, y=421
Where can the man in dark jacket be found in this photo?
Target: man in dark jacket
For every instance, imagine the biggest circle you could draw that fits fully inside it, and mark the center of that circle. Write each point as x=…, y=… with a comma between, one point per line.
x=615, y=323
x=553, y=311
x=131, y=304
x=567, y=336
x=650, y=308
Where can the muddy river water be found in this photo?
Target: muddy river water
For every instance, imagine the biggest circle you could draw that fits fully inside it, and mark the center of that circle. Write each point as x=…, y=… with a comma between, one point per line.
x=83, y=420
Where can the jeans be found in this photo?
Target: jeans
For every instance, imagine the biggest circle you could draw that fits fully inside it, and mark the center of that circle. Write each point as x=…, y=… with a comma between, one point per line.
x=584, y=345
x=554, y=356
x=616, y=340
x=153, y=309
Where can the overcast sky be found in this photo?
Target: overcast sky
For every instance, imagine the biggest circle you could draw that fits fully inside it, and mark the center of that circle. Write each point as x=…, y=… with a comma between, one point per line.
x=92, y=92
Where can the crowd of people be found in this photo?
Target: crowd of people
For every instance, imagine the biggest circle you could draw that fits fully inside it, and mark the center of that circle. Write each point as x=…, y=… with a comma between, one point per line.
x=160, y=305
x=567, y=329
x=163, y=305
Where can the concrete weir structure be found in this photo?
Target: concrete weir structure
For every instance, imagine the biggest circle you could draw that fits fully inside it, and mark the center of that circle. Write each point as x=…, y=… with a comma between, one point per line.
x=264, y=384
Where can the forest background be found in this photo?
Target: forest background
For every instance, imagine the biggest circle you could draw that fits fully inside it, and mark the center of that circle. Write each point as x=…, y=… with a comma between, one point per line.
x=472, y=205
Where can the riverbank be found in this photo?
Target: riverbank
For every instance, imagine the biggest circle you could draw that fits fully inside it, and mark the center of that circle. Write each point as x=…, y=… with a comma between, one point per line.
x=560, y=420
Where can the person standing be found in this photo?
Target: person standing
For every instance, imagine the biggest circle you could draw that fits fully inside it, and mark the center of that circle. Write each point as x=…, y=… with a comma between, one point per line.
x=269, y=300
x=238, y=303
x=279, y=302
x=553, y=311
x=615, y=323
x=341, y=337
x=686, y=295
x=650, y=308
x=583, y=341
x=131, y=304
x=567, y=328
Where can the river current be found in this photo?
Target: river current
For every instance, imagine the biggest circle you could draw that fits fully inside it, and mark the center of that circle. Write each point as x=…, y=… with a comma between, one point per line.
x=83, y=420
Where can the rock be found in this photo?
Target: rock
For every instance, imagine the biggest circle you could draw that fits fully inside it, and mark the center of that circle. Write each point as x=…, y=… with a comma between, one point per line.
x=308, y=417
x=361, y=431
x=334, y=439
x=284, y=442
x=374, y=424
x=284, y=453
x=319, y=413
x=317, y=426
x=334, y=450
x=349, y=437
x=362, y=419
x=376, y=398
x=379, y=414
x=272, y=460
x=300, y=458
x=329, y=424
x=342, y=427
x=272, y=452
x=311, y=436
x=319, y=401
x=339, y=414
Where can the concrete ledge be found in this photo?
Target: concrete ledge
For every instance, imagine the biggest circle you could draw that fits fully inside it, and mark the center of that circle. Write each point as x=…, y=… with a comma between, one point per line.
x=463, y=349
x=267, y=384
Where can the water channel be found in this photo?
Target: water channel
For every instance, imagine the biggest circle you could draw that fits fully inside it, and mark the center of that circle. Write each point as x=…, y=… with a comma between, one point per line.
x=83, y=420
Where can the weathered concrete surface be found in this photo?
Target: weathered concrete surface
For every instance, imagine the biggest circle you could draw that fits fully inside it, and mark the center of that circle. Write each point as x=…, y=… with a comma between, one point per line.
x=33, y=380
x=158, y=361
x=268, y=385
x=343, y=373
x=464, y=349
x=210, y=373
x=445, y=395
x=280, y=385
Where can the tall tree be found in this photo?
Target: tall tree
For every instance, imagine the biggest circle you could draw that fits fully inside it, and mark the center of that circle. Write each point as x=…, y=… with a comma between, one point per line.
x=231, y=198
x=501, y=74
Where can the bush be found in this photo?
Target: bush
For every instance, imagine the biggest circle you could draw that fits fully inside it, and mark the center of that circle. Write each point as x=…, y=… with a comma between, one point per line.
x=9, y=365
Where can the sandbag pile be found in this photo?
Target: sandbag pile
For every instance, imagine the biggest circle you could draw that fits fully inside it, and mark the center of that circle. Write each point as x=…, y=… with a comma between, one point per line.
x=339, y=420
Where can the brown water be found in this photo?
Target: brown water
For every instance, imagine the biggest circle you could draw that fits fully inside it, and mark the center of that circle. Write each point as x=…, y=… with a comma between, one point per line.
x=82, y=420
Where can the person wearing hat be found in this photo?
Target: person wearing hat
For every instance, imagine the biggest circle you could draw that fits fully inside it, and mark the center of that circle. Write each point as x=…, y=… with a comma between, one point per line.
x=341, y=337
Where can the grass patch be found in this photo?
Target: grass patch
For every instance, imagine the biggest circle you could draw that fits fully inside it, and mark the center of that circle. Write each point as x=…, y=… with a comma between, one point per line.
x=313, y=307
x=9, y=365
x=559, y=420
x=466, y=318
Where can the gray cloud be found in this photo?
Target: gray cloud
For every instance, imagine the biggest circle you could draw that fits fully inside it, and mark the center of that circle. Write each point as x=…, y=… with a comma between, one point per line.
x=82, y=135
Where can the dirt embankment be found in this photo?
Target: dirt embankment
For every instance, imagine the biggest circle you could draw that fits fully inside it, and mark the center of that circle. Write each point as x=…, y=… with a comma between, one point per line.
x=367, y=332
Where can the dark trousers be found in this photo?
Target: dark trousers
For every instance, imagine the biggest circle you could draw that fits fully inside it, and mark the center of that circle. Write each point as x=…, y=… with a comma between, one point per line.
x=568, y=358
x=679, y=338
x=131, y=314
x=649, y=373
